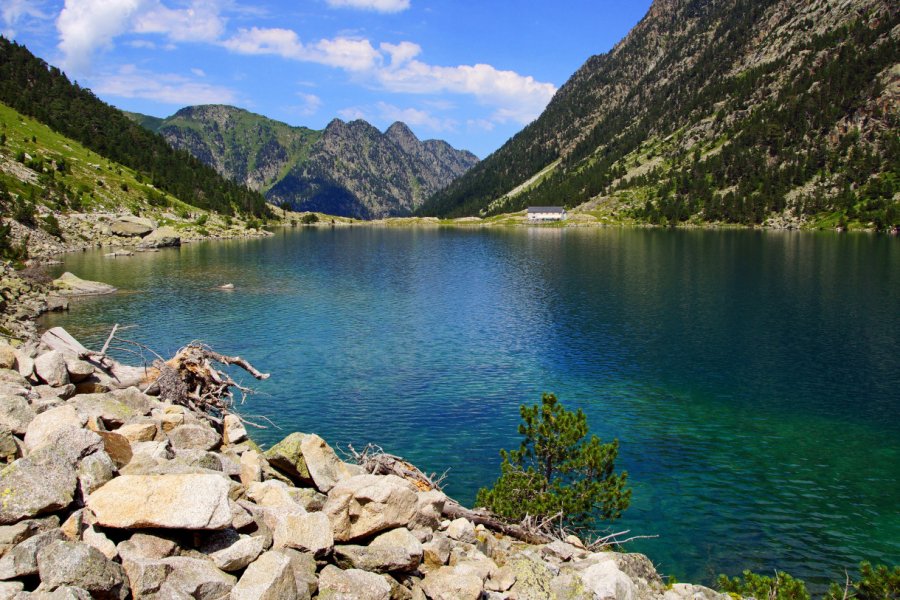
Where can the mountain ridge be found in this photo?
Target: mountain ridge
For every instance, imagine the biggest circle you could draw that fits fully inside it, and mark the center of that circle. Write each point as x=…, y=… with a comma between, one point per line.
x=347, y=169
x=791, y=106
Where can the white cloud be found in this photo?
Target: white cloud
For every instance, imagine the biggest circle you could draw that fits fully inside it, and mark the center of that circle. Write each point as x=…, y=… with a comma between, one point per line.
x=86, y=26
x=167, y=88
x=352, y=113
x=382, y=6
x=341, y=52
x=310, y=106
x=414, y=116
x=14, y=11
x=198, y=72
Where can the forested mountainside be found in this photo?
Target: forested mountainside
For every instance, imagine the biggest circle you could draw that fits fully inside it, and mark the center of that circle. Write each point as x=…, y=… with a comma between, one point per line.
x=349, y=169
x=744, y=111
x=32, y=87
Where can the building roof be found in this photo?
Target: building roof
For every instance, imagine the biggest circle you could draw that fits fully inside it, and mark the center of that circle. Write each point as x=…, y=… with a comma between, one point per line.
x=546, y=209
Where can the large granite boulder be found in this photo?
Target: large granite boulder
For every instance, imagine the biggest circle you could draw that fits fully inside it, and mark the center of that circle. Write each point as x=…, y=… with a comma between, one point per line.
x=50, y=367
x=70, y=285
x=15, y=413
x=164, y=237
x=131, y=226
x=366, y=504
x=184, y=501
x=79, y=565
x=338, y=584
x=269, y=578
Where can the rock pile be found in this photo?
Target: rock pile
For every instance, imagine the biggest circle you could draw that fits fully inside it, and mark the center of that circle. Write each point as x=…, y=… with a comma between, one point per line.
x=110, y=493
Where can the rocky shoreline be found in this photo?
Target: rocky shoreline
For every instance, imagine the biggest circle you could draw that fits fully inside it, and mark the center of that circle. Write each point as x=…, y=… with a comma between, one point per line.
x=109, y=492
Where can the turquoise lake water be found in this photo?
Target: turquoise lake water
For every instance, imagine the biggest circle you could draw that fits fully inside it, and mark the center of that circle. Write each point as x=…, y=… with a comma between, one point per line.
x=752, y=378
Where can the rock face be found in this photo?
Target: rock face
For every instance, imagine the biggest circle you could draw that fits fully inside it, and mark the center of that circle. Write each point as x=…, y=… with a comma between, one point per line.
x=120, y=496
x=131, y=226
x=164, y=237
x=318, y=170
x=71, y=285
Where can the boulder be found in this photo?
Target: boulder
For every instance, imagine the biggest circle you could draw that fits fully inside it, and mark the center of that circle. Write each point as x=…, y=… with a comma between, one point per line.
x=337, y=584
x=462, y=530
x=50, y=367
x=24, y=363
x=451, y=583
x=10, y=589
x=136, y=400
x=194, y=436
x=429, y=509
x=138, y=432
x=9, y=445
x=105, y=407
x=231, y=551
x=146, y=546
x=12, y=535
x=309, y=532
x=304, y=568
x=272, y=494
x=146, y=577
x=234, y=431
x=287, y=456
x=366, y=504
x=7, y=356
x=71, y=285
x=390, y=559
x=79, y=565
x=195, y=578
x=131, y=226
x=94, y=472
x=15, y=413
x=324, y=466
x=605, y=580
x=192, y=501
x=687, y=591
x=251, y=467
x=164, y=237
x=42, y=427
x=42, y=482
x=117, y=447
x=269, y=578
x=78, y=370
x=21, y=560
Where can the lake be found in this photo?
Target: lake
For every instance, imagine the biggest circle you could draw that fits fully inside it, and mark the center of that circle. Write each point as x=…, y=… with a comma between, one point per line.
x=752, y=377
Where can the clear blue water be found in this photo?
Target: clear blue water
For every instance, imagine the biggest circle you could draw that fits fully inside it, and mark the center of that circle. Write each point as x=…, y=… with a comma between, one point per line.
x=753, y=378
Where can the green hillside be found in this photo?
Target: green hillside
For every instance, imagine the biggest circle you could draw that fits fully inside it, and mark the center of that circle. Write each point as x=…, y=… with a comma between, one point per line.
x=33, y=88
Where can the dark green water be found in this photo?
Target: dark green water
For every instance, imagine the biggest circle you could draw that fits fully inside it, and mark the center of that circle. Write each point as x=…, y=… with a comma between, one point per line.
x=753, y=378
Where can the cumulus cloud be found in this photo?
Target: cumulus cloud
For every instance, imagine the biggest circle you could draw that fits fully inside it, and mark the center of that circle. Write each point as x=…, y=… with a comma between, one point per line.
x=14, y=11
x=167, y=88
x=310, y=104
x=345, y=53
x=415, y=116
x=382, y=6
x=86, y=26
x=352, y=113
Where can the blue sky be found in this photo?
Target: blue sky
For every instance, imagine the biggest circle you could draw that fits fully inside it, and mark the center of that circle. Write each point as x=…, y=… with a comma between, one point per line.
x=472, y=73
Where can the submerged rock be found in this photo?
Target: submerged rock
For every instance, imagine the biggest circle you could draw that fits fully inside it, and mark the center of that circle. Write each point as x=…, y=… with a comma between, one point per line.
x=71, y=285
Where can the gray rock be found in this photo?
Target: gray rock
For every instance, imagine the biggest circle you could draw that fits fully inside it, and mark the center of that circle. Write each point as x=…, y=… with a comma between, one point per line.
x=94, y=472
x=9, y=589
x=251, y=467
x=304, y=567
x=197, y=578
x=12, y=535
x=199, y=458
x=287, y=456
x=367, y=504
x=24, y=363
x=39, y=483
x=70, y=285
x=324, y=466
x=436, y=552
x=105, y=407
x=146, y=576
x=21, y=560
x=234, y=431
x=45, y=424
x=49, y=392
x=99, y=540
x=136, y=400
x=269, y=578
x=375, y=560
x=429, y=509
x=462, y=530
x=337, y=584
x=15, y=413
x=231, y=551
x=605, y=580
x=687, y=591
x=501, y=580
x=308, y=532
x=164, y=237
x=145, y=546
x=79, y=565
x=9, y=445
x=194, y=436
x=7, y=356
x=166, y=501
x=51, y=368
x=450, y=583
x=79, y=370
x=138, y=432
x=131, y=226
x=272, y=494
x=66, y=592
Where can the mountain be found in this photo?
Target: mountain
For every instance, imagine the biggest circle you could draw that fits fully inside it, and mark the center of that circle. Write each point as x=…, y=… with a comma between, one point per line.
x=32, y=87
x=716, y=110
x=348, y=169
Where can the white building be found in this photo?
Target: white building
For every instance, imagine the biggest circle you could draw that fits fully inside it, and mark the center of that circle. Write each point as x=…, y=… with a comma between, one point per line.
x=546, y=213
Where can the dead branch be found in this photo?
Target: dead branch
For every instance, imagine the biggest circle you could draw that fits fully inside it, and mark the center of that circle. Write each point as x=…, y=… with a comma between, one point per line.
x=453, y=510
x=612, y=539
x=377, y=462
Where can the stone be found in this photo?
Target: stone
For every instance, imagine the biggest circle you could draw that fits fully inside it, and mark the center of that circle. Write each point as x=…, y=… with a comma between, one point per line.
x=50, y=367
x=308, y=498
x=71, y=285
x=24, y=364
x=462, y=530
x=450, y=583
x=135, y=399
x=605, y=580
x=251, y=467
x=287, y=456
x=194, y=501
x=145, y=577
x=501, y=580
x=324, y=466
x=138, y=432
x=366, y=504
x=436, y=552
x=15, y=413
x=337, y=584
x=12, y=535
x=234, y=431
x=196, y=578
x=429, y=508
x=66, y=592
x=79, y=370
x=8, y=359
x=574, y=540
x=21, y=560
x=272, y=494
x=9, y=589
x=304, y=568
x=145, y=546
x=403, y=539
x=42, y=482
x=10, y=377
x=534, y=577
x=117, y=447
x=231, y=551
x=94, y=472
x=97, y=539
x=194, y=436
x=309, y=532
x=9, y=445
x=201, y=459
x=687, y=591
x=43, y=426
x=164, y=237
x=131, y=226
x=562, y=550
x=105, y=407
x=269, y=578
x=390, y=559
x=49, y=392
